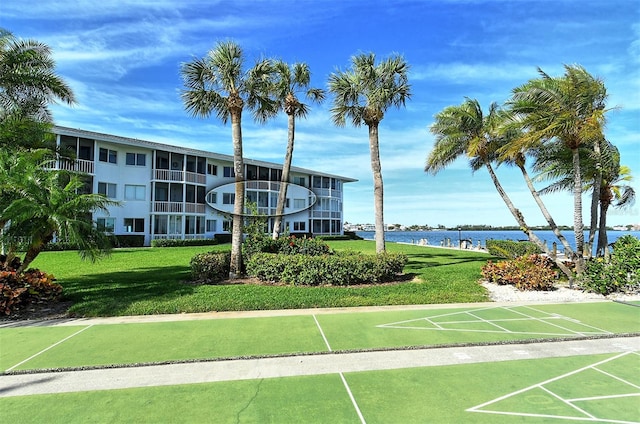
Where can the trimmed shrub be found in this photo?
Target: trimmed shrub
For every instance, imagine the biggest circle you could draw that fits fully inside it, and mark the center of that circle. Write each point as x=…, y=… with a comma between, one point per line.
x=339, y=270
x=210, y=267
x=531, y=272
x=183, y=242
x=620, y=274
x=20, y=290
x=290, y=245
x=510, y=249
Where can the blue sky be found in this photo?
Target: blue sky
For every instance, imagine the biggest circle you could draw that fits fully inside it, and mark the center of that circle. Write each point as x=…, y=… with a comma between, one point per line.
x=122, y=60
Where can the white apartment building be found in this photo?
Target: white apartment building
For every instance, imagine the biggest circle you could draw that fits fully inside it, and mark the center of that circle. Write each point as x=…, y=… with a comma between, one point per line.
x=180, y=193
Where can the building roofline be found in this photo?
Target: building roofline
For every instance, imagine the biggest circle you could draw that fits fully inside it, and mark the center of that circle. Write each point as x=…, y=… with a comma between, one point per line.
x=178, y=149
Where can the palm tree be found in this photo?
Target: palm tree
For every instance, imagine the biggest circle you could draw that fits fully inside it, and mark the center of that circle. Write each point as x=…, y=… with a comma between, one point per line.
x=290, y=80
x=603, y=176
x=218, y=83
x=570, y=110
x=28, y=82
x=465, y=130
x=39, y=205
x=363, y=95
x=613, y=187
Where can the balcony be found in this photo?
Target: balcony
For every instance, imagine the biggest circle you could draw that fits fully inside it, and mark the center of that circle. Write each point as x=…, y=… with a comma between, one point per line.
x=182, y=176
x=178, y=207
x=77, y=165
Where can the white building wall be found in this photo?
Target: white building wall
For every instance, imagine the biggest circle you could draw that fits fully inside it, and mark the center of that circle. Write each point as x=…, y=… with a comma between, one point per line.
x=137, y=205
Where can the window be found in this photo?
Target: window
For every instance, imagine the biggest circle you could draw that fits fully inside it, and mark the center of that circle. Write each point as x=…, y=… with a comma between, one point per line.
x=212, y=224
x=300, y=181
x=106, y=224
x=228, y=172
x=134, y=225
x=137, y=159
x=227, y=225
x=299, y=226
x=212, y=197
x=228, y=198
x=135, y=192
x=108, y=189
x=212, y=169
x=299, y=204
x=106, y=155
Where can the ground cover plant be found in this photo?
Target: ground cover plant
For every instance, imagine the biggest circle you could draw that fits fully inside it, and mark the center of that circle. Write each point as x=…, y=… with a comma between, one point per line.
x=154, y=281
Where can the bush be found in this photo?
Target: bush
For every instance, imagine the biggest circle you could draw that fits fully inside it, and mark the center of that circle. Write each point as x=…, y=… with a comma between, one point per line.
x=510, y=249
x=530, y=272
x=31, y=287
x=290, y=245
x=183, y=242
x=338, y=270
x=620, y=274
x=211, y=267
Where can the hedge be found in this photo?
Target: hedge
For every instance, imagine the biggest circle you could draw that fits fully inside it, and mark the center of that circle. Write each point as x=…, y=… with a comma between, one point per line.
x=342, y=269
x=511, y=249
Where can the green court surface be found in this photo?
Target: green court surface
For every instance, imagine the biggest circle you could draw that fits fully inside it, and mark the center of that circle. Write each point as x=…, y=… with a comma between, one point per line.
x=114, y=344
x=577, y=389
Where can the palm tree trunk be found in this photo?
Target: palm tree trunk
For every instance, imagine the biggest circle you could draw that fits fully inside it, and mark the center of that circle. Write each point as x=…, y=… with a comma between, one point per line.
x=238, y=207
x=603, y=242
x=286, y=167
x=33, y=251
x=378, y=189
x=523, y=225
x=595, y=199
x=578, y=226
x=554, y=227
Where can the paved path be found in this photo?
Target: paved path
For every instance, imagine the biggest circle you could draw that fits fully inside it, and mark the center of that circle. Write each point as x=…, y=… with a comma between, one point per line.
x=273, y=367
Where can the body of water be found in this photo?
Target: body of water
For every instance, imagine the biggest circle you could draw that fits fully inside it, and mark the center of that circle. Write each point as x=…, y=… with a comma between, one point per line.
x=444, y=238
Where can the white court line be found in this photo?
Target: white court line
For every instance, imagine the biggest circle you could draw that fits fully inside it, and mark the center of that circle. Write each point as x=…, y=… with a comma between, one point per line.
x=490, y=322
x=581, y=323
x=604, y=397
x=50, y=347
x=569, y=404
x=555, y=316
x=322, y=333
x=560, y=377
x=353, y=400
x=615, y=377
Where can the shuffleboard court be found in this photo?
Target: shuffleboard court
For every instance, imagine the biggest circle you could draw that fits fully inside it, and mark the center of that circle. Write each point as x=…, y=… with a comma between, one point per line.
x=134, y=343
x=584, y=389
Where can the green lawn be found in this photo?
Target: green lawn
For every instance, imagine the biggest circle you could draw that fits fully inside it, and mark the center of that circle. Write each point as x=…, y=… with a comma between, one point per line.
x=152, y=281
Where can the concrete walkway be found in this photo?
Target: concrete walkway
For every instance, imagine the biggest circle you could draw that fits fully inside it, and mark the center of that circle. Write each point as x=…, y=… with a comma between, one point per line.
x=274, y=367
x=228, y=370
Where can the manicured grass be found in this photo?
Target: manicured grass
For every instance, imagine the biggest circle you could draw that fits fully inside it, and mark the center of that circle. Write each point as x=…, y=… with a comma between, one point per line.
x=152, y=281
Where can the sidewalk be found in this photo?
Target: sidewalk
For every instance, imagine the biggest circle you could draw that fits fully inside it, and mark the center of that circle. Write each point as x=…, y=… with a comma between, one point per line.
x=228, y=370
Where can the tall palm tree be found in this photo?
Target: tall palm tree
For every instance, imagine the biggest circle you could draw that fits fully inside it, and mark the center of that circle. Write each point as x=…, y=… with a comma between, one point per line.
x=28, y=82
x=603, y=176
x=362, y=95
x=289, y=82
x=466, y=130
x=38, y=205
x=218, y=83
x=570, y=110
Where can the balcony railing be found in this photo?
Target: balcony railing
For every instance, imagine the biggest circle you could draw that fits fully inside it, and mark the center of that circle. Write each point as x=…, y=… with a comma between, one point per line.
x=77, y=165
x=168, y=207
x=171, y=175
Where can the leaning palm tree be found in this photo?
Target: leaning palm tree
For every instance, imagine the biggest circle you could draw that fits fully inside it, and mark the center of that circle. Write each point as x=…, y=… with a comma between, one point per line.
x=289, y=82
x=465, y=130
x=218, y=83
x=40, y=205
x=363, y=95
x=569, y=110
